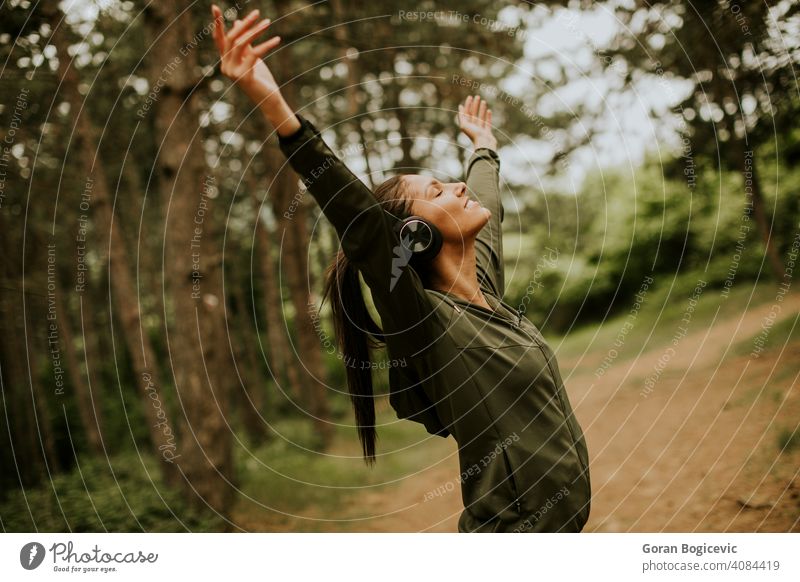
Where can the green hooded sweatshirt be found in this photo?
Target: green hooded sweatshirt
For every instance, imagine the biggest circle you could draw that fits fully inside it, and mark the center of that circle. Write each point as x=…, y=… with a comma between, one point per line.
x=487, y=377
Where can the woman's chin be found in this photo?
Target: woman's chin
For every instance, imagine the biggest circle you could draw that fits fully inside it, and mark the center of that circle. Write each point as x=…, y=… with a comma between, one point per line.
x=486, y=214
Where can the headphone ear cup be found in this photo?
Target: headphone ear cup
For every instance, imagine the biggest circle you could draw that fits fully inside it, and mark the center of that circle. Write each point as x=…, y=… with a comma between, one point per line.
x=419, y=236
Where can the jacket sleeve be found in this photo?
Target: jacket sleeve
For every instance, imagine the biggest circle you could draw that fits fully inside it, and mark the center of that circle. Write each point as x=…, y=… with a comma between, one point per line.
x=483, y=177
x=367, y=237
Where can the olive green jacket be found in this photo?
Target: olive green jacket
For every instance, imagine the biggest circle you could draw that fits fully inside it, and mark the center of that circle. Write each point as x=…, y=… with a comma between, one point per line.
x=487, y=377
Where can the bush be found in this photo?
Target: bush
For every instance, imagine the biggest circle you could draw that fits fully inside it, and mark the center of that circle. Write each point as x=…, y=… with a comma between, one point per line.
x=118, y=494
x=624, y=227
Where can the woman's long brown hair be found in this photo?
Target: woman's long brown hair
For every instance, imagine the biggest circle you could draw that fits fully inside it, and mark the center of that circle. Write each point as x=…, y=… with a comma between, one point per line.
x=356, y=332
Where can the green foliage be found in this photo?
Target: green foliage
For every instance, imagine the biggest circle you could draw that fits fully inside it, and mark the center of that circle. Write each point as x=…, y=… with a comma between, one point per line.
x=626, y=228
x=120, y=494
x=285, y=477
x=789, y=439
x=772, y=336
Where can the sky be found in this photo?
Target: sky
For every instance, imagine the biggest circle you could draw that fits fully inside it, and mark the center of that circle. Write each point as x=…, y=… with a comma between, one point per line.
x=632, y=122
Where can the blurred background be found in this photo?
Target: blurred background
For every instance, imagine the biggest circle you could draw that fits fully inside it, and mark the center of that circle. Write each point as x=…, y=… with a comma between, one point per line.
x=166, y=364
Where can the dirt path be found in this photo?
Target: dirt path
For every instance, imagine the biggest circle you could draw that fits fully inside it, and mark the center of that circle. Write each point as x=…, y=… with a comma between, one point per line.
x=430, y=502
x=695, y=452
x=695, y=448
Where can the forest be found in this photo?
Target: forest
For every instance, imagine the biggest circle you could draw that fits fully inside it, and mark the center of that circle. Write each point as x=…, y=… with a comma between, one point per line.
x=167, y=363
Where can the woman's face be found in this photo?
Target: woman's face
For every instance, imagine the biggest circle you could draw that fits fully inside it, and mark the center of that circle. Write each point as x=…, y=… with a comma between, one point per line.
x=446, y=205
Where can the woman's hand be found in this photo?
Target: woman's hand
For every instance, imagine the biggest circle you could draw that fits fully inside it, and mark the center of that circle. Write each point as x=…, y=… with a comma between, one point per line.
x=475, y=120
x=241, y=62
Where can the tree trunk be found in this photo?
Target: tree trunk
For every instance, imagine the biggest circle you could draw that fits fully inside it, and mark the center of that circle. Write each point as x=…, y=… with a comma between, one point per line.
x=307, y=356
x=759, y=213
x=148, y=252
x=122, y=285
x=407, y=165
x=196, y=337
x=251, y=401
x=39, y=340
x=89, y=408
x=343, y=35
x=287, y=379
x=298, y=275
x=16, y=407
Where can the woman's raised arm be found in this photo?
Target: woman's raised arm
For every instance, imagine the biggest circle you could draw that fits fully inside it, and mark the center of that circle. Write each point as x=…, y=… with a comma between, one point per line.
x=483, y=177
x=241, y=62
x=365, y=230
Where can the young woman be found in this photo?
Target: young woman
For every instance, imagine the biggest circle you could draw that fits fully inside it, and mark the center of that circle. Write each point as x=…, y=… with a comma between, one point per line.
x=475, y=368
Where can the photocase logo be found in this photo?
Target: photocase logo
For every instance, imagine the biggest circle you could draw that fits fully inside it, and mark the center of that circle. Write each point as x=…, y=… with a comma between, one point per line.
x=31, y=555
x=402, y=256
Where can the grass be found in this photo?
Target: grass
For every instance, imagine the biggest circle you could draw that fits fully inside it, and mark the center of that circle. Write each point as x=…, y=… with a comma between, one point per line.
x=280, y=477
x=123, y=493
x=775, y=340
x=789, y=439
x=660, y=317
x=774, y=337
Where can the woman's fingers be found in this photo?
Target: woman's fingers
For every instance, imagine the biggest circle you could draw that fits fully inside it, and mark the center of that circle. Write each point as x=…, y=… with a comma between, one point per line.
x=474, y=117
x=238, y=49
x=475, y=111
x=219, y=28
x=252, y=33
x=261, y=49
x=240, y=26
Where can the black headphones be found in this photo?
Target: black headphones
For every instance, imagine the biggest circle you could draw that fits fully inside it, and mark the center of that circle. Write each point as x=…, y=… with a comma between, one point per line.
x=421, y=238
